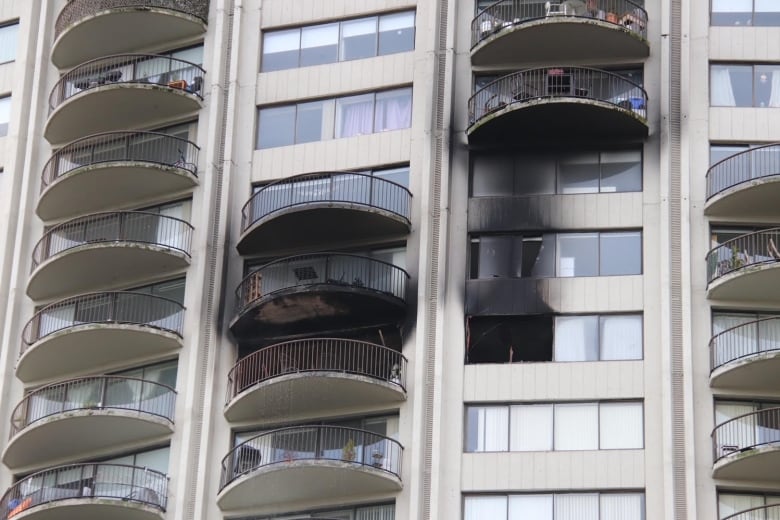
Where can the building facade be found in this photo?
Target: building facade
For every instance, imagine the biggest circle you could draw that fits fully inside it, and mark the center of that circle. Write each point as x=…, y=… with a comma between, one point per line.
x=273, y=259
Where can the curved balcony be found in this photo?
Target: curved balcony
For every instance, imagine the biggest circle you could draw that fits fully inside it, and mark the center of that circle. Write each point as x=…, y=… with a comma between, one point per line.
x=767, y=512
x=123, y=25
x=91, y=331
x=309, y=463
x=744, y=268
x=748, y=447
x=87, y=492
x=307, y=375
x=747, y=357
x=121, y=92
x=78, y=417
x=526, y=31
x=329, y=207
x=557, y=103
x=124, y=168
x=107, y=249
x=316, y=293
x=747, y=184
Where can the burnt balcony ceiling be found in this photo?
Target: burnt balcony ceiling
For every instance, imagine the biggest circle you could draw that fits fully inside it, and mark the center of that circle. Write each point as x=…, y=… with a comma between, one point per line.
x=744, y=268
x=748, y=447
x=124, y=168
x=122, y=92
x=320, y=209
x=84, y=333
x=304, y=376
x=311, y=462
x=746, y=184
x=108, y=249
x=746, y=357
x=74, y=418
x=318, y=293
x=87, y=29
x=575, y=104
x=518, y=31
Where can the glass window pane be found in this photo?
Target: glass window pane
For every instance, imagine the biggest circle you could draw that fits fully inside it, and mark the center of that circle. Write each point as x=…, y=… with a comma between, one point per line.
x=577, y=427
x=309, y=122
x=495, y=254
x=5, y=115
x=393, y=110
x=9, y=35
x=193, y=55
x=534, y=175
x=355, y=115
x=578, y=506
x=396, y=33
x=576, y=338
x=621, y=171
x=731, y=85
x=622, y=506
x=767, y=85
x=578, y=254
x=621, y=426
x=621, y=337
x=731, y=12
x=620, y=253
x=729, y=504
x=487, y=428
x=275, y=127
x=767, y=13
x=538, y=256
x=482, y=508
x=491, y=175
x=720, y=152
x=280, y=50
x=531, y=428
x=579, y=174
x=319, y=44
x=358, y=38
x=531, y=507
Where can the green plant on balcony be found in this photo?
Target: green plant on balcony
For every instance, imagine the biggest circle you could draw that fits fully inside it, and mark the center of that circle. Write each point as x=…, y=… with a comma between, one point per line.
x=348, y=452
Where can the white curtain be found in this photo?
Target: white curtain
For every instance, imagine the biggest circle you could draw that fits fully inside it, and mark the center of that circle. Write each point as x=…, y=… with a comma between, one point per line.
x=576, y=338
x=735, y=343
x=721, y=95
x=355, y=115
x=621, y=426
x=576, y=426
x=580, y=506
x=622, y=506
x=774, y=99
x=531, y=428
x=492, y=428
x=393, y=110
x=531, y=507
x=485, y=508
x=621, y=337
x=740, y=433
x=56, y=319
x=768, y=334
x=733, y=504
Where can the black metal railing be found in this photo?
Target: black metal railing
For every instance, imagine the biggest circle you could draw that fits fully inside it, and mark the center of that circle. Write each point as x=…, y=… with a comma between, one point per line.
x=116, y=307
x=509, y=13
x=530, y=85
x=76, y=10
x=94, y=393
x=122, y=226
x=354, y=188
x=745, y=166
x=149, y=69
x=768, y=512
x=745, y=340
x=751, y=249
x=746, y=431
x=144, y=147
x=84, y=481
x=318, y=355
x=310, y=443
x=340, y=269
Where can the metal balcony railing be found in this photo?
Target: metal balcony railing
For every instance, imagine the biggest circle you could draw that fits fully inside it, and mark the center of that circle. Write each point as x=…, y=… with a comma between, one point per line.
x=751, y=249
x=116, y=307
x=768, y=512
x=312, y=443
x=149, y=69
x=747, y=431
x=348, y=187
x=84, y=481
x=530, y=85
x=755, y=163
x=76, y=10
x=318, y=355
x=745, y=340
x=509, y=13
x=122, y=226
x=145, y=147
x=94, y=393
x=336, y=269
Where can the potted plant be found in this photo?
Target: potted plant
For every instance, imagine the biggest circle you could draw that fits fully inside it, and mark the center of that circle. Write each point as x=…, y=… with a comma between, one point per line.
x=348, y=452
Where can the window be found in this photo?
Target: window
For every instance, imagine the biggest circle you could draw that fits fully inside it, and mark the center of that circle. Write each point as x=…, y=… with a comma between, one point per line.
x=512, y=339
x=5, y=114
x=555, y=427
x=556, y=506
x=556, y=173
x=734, y=503
x=745, y=85
x=9, y=34
x=562, y=255
x=371, y=512
x=341, y=117
x=745, y=12
x=338, y=41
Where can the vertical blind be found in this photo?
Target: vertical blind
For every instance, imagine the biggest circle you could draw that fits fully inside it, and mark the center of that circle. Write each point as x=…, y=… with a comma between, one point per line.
x=564, y=506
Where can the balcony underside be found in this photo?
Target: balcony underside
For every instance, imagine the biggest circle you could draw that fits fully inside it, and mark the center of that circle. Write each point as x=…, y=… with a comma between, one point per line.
x=753, y=464
x=90, y=509
x=111, y=185
x=317, y=308
x=118, y=106
x=755, y=198
x=100, y=265
x=305, y=393
x=89, y=348
x=759, y=282
x=551, y=39
x=123, y=30
x=320, y=225
x=75, y=434
x=290, y=482
x=546, y=120
x=757, y=373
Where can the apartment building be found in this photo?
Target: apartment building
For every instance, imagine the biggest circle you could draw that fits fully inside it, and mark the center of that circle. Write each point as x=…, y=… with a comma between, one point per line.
x=283, y=259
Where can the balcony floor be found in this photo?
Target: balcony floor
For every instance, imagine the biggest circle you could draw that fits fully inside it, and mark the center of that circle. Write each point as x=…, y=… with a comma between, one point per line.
x=757, y=373
x=754, y=199
x=91, y=509
x=752, y=464
x=758, y=282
